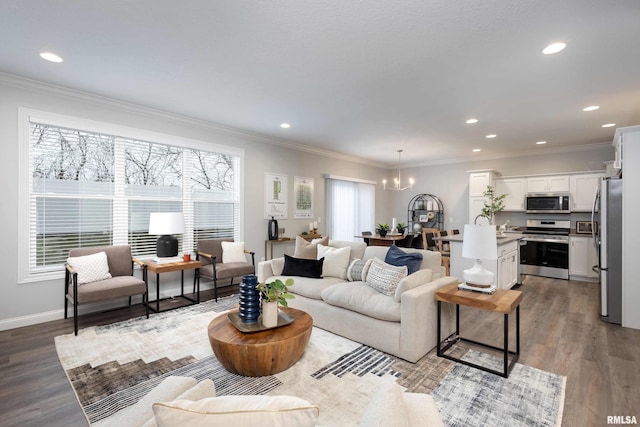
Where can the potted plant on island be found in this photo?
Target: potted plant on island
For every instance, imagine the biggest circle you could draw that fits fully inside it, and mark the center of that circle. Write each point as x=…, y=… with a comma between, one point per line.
x=493, y=204
x=272, y=294
x=383, y=229
x=401, y=227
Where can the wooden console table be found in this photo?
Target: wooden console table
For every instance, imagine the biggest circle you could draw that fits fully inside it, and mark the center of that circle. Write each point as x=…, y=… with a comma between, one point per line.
x=268, y=244
x=502, y=301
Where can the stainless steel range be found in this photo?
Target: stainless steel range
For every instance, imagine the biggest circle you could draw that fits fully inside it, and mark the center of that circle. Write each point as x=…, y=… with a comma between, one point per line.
x=544, y=249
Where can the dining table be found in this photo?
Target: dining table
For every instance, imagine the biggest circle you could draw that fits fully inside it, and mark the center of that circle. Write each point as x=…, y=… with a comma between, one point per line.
x=378, y=240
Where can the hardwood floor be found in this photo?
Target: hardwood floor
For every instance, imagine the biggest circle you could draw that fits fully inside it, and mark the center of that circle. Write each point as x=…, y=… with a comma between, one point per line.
x=561, y=332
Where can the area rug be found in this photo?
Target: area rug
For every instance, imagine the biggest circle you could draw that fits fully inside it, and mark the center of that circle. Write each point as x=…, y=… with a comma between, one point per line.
x=111, y=367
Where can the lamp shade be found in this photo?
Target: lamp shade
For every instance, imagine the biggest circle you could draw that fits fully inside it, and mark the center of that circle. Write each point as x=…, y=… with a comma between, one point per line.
x=163, y=223
x=479, y=242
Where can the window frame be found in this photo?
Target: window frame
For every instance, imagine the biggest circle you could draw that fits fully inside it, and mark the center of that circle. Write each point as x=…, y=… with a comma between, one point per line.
x=25, y=179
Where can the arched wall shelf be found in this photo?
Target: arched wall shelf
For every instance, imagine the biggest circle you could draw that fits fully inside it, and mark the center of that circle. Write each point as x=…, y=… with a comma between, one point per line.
x=425, y=210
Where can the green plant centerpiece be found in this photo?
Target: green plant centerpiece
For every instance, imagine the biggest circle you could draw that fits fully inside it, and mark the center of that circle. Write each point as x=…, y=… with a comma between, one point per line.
x=401, y=227
x=276, y=291
x=493, y=203
x=382, y=229
x=273, y=294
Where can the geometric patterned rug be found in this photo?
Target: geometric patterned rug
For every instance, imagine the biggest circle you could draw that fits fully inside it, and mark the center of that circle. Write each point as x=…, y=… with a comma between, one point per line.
x=111, y=367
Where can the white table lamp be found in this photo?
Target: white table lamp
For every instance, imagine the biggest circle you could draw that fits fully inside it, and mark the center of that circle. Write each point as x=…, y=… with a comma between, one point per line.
x=479, y=242
x=165, y=224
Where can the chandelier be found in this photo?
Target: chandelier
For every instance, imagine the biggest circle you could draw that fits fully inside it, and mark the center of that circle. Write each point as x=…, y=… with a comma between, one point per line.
x=397, y=182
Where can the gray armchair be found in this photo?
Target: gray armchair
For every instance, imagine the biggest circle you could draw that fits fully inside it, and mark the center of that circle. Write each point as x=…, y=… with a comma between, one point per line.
x=209, y=252
x=121, y=284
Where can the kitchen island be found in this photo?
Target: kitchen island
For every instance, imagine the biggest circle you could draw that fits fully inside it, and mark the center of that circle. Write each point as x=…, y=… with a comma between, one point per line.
x=506, y=267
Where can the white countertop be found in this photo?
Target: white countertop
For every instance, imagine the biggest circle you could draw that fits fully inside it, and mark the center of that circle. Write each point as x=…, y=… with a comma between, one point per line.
x=508, y=237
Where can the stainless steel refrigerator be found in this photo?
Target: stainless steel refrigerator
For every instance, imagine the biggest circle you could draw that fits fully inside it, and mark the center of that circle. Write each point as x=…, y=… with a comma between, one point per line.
x=607, y=208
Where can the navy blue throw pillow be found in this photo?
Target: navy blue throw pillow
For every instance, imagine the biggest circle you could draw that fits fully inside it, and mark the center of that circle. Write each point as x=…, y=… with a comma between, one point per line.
x=398, y=257
x=302, y=267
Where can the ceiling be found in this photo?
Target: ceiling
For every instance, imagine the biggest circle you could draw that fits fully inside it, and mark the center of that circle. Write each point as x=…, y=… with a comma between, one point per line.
x=362, y=77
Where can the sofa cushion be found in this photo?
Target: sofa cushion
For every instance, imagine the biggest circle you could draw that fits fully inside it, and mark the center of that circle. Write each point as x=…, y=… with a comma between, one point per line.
x=398, y=257
x=90, y=268
x=358, y=297
x=307, y=286
x=358, y=269
x=302, y=267
x=237, y=410
x=233, y=252
x=336, y=261
x=414, y=280
x=308, y=250
x=384, y=277
x=357, y=248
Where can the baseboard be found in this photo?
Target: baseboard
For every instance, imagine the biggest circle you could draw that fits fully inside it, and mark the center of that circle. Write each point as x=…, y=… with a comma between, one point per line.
x=48, y=316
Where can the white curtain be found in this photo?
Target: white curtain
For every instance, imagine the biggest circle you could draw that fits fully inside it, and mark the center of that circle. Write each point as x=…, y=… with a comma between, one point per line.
x=350, y=208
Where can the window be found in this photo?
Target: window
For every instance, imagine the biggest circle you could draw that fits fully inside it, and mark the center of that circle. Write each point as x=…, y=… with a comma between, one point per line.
x=87, y=184
x=350, y=207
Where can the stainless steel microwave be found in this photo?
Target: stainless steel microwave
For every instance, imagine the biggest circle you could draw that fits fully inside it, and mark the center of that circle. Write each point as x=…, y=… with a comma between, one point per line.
x=548, y=203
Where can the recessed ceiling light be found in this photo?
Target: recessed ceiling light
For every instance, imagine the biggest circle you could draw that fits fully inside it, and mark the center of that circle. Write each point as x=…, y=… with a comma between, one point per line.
x=493, y=135
x=553, y=48
x=591, y=108
x=472, y=121
x=285, y=125
x=51, y=57
x=475, y=150
x=608, y=125
x=541, y=142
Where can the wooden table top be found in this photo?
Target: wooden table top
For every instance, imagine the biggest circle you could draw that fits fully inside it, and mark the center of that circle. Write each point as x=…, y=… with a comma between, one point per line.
x=502, y=301
x=170, y=266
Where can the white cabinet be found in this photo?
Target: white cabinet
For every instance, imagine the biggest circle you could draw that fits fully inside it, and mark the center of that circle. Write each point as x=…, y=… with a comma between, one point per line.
x=515, y=189
x=548, y=184
x=582, y=258
x=478, y=181
x=508, y=264
x=505, y=267
x=583, y=190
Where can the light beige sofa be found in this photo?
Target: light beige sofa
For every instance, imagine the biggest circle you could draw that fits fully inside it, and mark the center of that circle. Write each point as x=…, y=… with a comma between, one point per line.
x=404, y=326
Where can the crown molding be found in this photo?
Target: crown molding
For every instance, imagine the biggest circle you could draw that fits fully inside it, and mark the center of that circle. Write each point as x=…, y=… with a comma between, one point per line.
x=30, y=84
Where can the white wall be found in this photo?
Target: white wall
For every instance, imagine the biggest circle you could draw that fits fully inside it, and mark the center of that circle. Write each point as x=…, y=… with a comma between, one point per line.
x=29, y=303
x=23, y=304
x=451, y=182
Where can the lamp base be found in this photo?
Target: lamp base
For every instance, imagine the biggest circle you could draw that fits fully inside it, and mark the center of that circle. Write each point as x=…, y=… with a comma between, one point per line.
x=166, y=246
x=478, y=276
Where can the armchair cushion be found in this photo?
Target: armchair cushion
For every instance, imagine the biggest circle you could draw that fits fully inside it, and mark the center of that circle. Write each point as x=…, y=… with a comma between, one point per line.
x=233, y=252
x=90, y=268
x=114, y=287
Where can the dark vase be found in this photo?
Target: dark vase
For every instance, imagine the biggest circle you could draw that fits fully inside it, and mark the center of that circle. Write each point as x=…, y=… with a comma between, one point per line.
x=382, y=233
x=249, y=307
x=273, y=229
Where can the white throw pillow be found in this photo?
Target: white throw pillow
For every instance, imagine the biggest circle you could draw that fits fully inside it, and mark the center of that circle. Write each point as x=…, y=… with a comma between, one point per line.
x=263, y=411
x=336, y=261
x=233, y=252
x=386, y=408
x=90, y=268
x=384, y=277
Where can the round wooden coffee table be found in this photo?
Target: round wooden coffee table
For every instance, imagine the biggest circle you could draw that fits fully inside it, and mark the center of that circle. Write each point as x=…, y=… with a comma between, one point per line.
x=260, y=353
